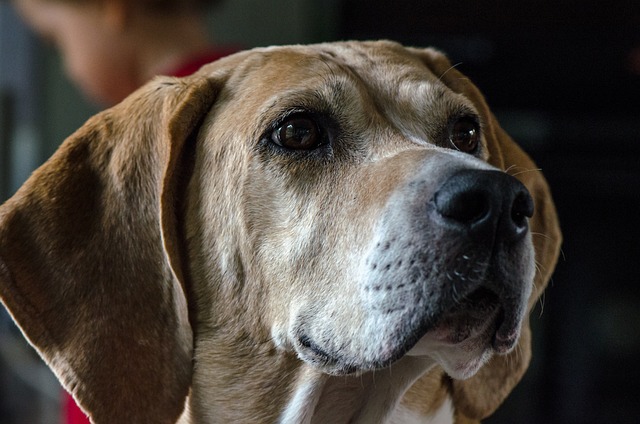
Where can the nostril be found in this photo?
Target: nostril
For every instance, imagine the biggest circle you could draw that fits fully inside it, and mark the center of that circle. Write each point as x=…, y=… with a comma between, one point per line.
x=485, y=204
x=522, y=208
x=465, y=206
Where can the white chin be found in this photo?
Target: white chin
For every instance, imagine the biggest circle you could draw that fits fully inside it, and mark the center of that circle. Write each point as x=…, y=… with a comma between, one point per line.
x=462, y=370
x=460, y=361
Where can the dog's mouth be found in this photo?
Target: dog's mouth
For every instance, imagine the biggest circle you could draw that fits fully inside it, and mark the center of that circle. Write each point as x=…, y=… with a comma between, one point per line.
x=483, y=318
x=477, y=325
x=472, y=316
x=332, y=363
x=465, y=336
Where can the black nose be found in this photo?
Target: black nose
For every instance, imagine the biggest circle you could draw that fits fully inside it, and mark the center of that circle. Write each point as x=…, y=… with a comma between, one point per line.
x=485, y=204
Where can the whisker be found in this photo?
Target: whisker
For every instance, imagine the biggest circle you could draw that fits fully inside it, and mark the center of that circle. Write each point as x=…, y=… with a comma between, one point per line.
x=510, y=168
x=515, y=357
x=456, y=296
x=524, y=171
x=539, y=267
x=564, y=258
x=533, y=233
x=450, y=68
x=541, y=302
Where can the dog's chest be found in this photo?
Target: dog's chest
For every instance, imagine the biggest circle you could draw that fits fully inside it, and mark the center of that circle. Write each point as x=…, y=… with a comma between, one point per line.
x=400, y=415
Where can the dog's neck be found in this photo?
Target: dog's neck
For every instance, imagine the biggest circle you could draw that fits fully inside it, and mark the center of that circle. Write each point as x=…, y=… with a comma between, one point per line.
x=373, y=397
x=264, y=385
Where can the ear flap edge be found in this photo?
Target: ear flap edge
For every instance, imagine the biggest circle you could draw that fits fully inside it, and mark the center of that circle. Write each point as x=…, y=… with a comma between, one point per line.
x=84, y=269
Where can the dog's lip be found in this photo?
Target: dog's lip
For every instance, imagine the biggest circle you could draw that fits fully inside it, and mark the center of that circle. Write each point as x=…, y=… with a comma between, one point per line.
x=481, y=315
x=337, y=364
x=307, y=344
x=310, y=351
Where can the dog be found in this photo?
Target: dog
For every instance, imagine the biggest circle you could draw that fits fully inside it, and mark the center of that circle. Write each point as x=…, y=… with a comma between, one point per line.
x=334, y=233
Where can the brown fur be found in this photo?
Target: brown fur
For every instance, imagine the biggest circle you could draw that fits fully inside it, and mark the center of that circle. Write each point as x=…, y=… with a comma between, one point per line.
x=107, y=251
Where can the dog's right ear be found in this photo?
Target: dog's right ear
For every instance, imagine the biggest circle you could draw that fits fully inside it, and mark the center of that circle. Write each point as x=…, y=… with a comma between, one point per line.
x=89, y=260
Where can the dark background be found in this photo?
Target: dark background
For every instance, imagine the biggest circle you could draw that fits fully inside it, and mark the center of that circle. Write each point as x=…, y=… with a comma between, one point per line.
x=564, y=79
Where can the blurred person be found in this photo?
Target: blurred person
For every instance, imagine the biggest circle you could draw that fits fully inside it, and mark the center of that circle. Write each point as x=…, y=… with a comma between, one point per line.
x=112, y=47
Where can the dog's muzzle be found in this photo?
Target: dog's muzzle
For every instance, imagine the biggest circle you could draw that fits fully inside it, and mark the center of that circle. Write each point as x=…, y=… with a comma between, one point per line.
x=450, y=261
x=491, y=210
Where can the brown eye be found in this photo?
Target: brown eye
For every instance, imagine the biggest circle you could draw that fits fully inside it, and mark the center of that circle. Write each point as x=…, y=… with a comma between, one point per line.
x=298, y=133
x=464, y=135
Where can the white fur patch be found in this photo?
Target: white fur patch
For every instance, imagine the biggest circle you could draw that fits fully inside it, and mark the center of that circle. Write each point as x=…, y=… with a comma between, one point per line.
x=403, y=415
x=305, y=398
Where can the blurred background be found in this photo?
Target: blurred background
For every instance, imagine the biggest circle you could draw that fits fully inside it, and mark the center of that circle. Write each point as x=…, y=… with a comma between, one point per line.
x=563, y=77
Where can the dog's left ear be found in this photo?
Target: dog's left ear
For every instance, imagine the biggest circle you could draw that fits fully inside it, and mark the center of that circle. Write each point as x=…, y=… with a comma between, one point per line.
x=90, y=261
x=479, y=396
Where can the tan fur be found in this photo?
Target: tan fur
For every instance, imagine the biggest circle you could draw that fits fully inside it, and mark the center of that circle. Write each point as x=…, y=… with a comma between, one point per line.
x=163, y=250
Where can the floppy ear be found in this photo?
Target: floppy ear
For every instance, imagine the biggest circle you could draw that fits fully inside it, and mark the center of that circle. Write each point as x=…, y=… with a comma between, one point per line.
x=89, y=258
x=479, y=396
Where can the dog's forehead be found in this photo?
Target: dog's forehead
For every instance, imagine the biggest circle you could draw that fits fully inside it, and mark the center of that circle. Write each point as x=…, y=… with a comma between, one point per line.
x=381, y=67
x=385, y=79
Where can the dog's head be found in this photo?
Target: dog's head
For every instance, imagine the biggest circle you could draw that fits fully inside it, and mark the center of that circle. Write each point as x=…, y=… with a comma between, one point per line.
x=347, y=203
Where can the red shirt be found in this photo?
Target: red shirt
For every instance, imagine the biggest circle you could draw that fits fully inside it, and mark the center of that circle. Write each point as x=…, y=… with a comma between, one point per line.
x=71, y=413
x=192, y=65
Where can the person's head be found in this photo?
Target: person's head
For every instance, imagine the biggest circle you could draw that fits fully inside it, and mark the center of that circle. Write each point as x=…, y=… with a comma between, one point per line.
x=110, y=47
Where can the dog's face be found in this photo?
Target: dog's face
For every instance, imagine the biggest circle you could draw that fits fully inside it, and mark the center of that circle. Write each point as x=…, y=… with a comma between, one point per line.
x=341, y=207
x=343, y=169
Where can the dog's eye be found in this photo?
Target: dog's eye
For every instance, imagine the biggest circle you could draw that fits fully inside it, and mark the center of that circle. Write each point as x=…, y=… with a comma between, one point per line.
x=464, y=135
x=297, y=133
